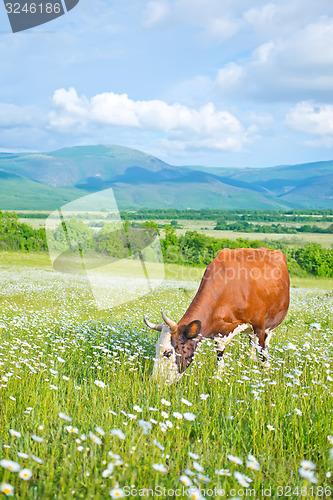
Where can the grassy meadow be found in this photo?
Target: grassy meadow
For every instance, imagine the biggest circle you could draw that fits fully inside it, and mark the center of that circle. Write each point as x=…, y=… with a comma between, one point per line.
x=80, y=417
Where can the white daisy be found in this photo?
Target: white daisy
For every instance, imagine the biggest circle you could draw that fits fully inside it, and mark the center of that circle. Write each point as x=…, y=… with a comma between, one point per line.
x=240, y=478
x=195, y=493
x=118, y=432
x=106, y=473
x=185, y=480
x=37, y=438
x=235, y=460
x=117, y=493
x=308, y=474
x=178, y=415
x=100, y=431
x=306, y=464
x=160, y=468
x=65, y=417
x=189, y=416
x=223, y=472
x=71, y=429
x=15, y=433
x=183, y=400
x=156, y=443
x=25, y=474
x=8, y=489
x=99, y=383
x=197, y=467
x=95, y=439
x=10, y=465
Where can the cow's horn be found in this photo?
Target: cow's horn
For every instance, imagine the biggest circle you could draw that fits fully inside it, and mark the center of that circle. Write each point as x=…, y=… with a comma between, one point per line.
x=172, y=324
x=151, y=325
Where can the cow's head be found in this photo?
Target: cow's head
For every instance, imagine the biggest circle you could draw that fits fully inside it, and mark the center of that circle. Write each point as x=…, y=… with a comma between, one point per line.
x=175, y=348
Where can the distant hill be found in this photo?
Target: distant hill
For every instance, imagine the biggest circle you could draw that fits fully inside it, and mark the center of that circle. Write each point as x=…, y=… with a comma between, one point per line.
x=20, y=193
x=299, y=184
x=46, y=181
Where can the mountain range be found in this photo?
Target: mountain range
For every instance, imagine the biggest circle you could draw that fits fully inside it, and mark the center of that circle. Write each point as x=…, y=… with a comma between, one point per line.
x=46, y=181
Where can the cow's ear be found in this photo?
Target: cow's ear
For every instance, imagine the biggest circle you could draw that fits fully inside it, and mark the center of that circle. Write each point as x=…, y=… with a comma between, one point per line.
x=193, y=329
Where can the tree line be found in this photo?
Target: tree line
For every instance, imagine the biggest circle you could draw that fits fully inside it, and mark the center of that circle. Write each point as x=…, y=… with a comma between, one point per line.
x=320, y=215
x=248, y=227
x=197, y=249
x=16, y=235
x=121, y=241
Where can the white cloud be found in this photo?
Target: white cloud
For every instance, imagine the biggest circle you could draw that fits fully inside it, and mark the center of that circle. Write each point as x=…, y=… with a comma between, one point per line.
x=258, y=119
x=229, y=76
x=223, y=19
x=216, y=19
x=298, y=67
x=311, y=118
x=322, y=142
x=155, y=13
x=264, y=53
x=222, y=28
x=261, y=16
x=187, y=127
x=74, y=108
x=309, y=46
x=12, y=116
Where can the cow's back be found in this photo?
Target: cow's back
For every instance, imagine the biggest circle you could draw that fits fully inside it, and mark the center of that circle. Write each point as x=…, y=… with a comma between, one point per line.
x=249, y=284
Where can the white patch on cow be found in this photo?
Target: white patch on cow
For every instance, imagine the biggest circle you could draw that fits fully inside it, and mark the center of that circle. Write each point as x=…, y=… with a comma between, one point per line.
x=269, y=334
x=165, y=368
x=254, y=342
x=220, y=366
x=264, y=351
x=222, y=342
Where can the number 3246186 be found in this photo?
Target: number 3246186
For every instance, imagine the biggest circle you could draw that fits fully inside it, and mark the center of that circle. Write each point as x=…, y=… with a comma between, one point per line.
x=33, y=8
x=319, y=491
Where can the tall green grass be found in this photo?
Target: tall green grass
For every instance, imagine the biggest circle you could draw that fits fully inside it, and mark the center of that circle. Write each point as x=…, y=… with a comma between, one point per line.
x=55, y=346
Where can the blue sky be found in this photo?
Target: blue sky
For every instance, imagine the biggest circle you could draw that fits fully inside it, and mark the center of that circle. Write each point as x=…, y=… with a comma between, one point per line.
x=200, y=82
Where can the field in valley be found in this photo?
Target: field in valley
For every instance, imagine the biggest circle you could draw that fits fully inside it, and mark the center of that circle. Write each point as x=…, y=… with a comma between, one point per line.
x=325, y=240
x=80, y=413
x=207, y=227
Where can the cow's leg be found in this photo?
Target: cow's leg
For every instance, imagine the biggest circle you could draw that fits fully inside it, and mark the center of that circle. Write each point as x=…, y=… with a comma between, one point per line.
x=253, y=344
x=261, y=335
x=268, y=335
x=231, y=330
x=220, y=359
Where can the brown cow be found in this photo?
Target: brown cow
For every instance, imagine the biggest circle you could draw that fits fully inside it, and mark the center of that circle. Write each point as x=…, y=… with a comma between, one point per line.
x=242, y=290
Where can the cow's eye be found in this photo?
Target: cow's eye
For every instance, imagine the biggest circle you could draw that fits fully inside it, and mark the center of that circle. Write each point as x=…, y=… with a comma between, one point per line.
x=167, y=354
